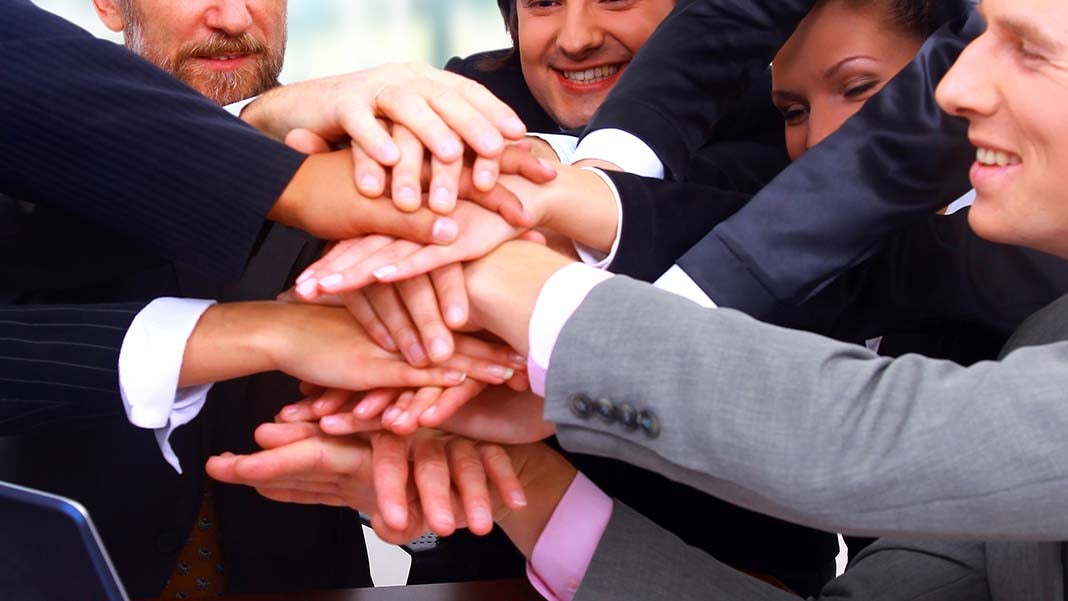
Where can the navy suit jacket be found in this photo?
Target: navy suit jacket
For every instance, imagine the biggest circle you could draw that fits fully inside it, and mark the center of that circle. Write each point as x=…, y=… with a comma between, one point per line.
x=133, y=186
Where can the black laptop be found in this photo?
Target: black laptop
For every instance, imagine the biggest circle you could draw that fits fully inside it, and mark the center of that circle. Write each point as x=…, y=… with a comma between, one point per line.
x=49, y=550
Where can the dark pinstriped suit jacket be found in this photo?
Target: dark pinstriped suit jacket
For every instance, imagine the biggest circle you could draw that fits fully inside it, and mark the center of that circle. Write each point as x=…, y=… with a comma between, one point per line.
x=102, y=137
x=136, y=187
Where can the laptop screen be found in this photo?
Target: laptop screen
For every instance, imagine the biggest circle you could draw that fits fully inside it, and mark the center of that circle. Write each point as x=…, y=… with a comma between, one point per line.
x=49, y=549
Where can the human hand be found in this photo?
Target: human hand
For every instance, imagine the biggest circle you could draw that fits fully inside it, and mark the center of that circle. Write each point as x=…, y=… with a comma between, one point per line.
x=318, y=344
x=322, y=200
x=371, y=474
x=472, y=409
x=444, y=182
x=443, y=110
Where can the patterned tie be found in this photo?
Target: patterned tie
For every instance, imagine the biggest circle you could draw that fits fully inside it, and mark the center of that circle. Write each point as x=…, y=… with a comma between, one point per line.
x=199, y=571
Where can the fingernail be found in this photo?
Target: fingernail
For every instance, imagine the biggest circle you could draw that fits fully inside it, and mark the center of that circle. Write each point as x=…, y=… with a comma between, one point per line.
x=319, y=405
x=384, y=272
x=484, y=177
x=415, y=353
x=389, y=153
x=517, y=125
x=407, y=194
x=441, y=198
x=482, y=515
x=330, y=281
x=389, y=341
x=503, y=373
x=456, y=377
x=289, y=411
x=449, y=148
x=546, y=164
x=439, y=350
x=444, y=518
x=455, y=316
x=519, y=499
x=390, y=414
x=445, y=230
x=430, y=413
x=492, y=142
x=403, y=418
x=330, y=421
x=304, y=276
x=307, y=287
x=519, y=359
x=370, y=182
x=397, y=515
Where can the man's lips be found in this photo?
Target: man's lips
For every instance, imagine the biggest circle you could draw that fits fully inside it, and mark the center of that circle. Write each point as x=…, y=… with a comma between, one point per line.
x=224, y=61
x=590, y=79
x=993, y=167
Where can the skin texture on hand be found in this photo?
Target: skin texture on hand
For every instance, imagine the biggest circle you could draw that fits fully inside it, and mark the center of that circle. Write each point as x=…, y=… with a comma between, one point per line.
x=323, y=345
x=407, y=485
x=431, y=480
x=503, y=288
x=442, y=110
x=322, y=200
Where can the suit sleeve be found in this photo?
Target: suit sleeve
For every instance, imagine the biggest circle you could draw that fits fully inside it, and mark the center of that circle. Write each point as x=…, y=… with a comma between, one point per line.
x=95, y=130
x=636, y=559
x=814, y=431
x=693, y=69
x=899, y=159
x=936, y=270
x=59, y=364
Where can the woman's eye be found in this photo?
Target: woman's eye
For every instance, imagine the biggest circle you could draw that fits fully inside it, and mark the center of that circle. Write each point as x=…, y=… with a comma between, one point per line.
x=860, y=89
x=794, y=114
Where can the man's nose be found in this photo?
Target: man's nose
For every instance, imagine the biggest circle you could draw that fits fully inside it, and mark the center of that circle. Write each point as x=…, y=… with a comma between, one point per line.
x=580, y=32
x=232, y=17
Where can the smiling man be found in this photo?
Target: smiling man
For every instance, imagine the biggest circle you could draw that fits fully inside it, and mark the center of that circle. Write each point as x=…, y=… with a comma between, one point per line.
x=227, y=50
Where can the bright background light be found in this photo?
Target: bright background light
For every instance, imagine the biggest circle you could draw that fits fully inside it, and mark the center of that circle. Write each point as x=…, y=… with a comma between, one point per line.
x=327, y=37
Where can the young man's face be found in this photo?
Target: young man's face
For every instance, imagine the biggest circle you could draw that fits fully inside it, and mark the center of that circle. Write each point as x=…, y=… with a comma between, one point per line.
x=573, y=51
x=227, y=50
x=1011, y=84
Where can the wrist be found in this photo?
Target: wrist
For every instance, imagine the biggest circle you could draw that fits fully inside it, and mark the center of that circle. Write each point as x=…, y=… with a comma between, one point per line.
x=593, y=220
x=503, y=288
x=229, y=341
x=545, y=477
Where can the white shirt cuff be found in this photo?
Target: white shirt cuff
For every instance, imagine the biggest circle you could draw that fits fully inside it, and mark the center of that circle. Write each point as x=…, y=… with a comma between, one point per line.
x=620, y=148
x=562, y=144
x=559, y=298
x=593, y=257
x=150, y=362
x=235, y=108
x=678, y=282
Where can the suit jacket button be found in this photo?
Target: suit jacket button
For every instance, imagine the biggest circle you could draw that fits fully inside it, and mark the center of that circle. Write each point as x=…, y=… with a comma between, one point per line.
x=649, y=423
x=628, y=416
x=606, y=409
x=581, y=406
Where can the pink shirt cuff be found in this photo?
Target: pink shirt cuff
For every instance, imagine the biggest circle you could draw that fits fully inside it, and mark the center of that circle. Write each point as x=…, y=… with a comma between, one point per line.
x=560, y=297
x=565, y=549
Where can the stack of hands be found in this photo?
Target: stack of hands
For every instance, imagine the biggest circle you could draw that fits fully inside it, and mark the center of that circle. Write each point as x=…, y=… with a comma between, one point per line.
x=406, y=419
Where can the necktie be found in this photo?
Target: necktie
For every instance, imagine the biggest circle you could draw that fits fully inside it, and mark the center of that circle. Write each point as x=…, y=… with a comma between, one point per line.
x=199, y=571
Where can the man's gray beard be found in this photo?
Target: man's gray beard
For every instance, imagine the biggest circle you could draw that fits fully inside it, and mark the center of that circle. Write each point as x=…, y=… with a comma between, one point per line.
x=222, y=87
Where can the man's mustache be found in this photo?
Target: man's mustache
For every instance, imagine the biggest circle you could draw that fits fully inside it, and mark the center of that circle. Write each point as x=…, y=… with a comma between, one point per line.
x=220, y=44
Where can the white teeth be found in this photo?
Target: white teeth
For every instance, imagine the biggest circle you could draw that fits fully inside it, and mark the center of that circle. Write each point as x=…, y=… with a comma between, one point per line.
x=592, y=75
x=987, y=156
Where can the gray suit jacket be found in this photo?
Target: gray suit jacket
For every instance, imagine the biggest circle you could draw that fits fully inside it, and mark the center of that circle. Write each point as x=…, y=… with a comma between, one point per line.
x=852, y=442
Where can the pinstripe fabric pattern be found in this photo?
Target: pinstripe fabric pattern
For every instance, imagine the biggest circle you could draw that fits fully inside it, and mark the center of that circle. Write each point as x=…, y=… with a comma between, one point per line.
x=92, y=129
x=59, y=363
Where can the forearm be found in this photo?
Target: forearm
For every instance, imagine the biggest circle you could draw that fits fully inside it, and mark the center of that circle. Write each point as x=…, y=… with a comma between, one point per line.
x=545, y=477
x=231, y=340
x=580, y=206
